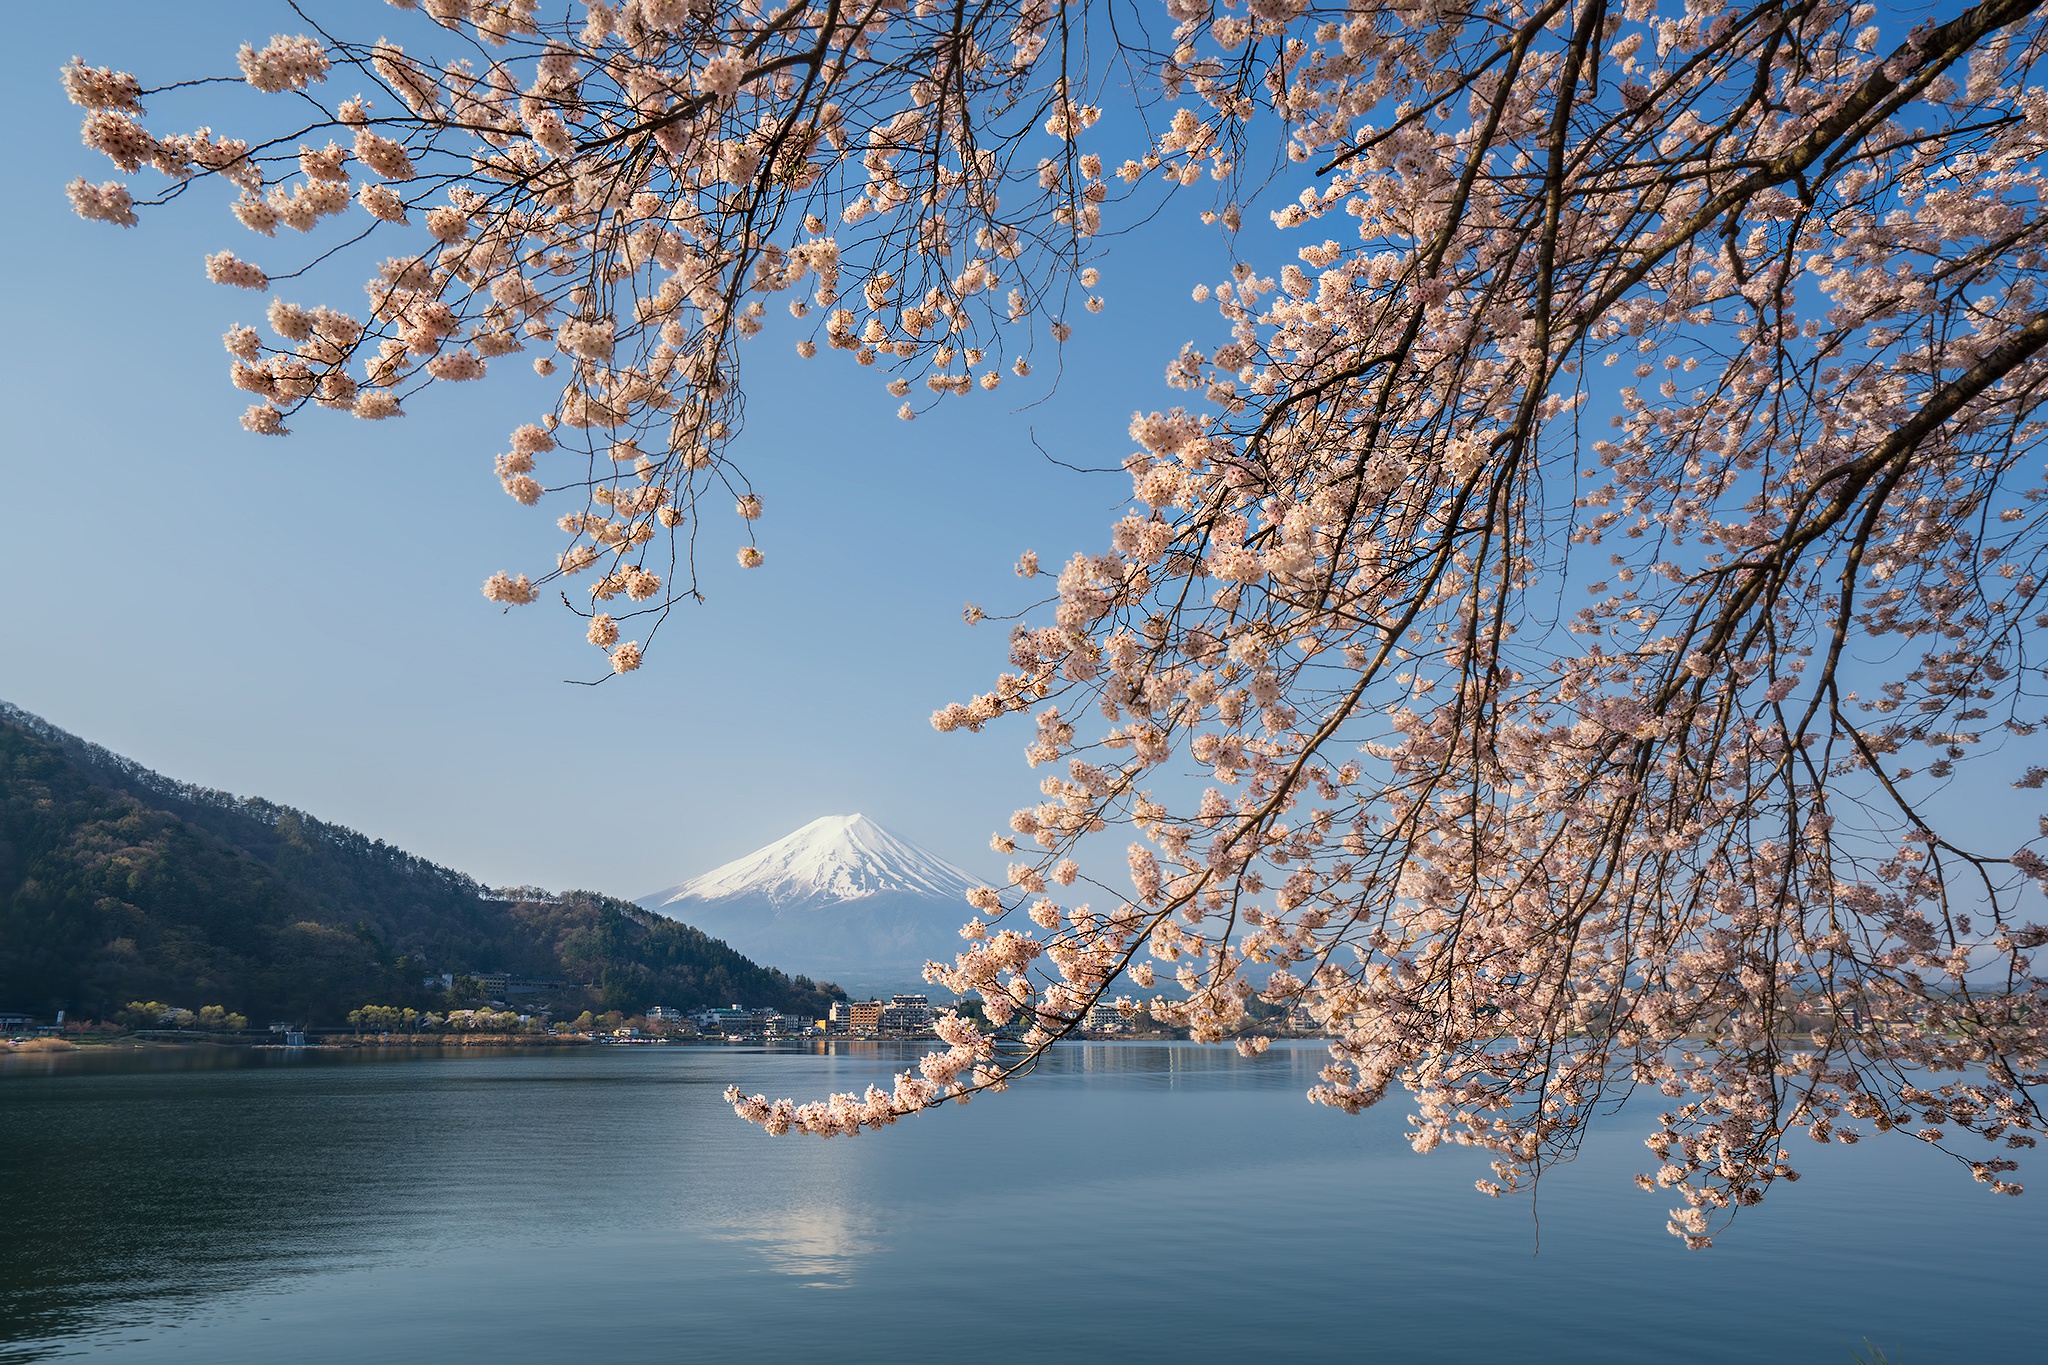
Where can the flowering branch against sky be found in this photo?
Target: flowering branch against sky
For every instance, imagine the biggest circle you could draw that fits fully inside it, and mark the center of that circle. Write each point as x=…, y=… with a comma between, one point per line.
x=1725, y=318
x=300, y=618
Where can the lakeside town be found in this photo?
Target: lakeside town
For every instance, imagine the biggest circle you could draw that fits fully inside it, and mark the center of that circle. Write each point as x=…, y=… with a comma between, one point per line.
x=901, y=1016
x=499, y=1017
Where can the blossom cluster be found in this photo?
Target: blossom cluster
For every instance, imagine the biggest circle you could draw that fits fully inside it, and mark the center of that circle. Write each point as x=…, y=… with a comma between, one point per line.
x=1726, y=321
x=620, y=193
x=1758, y=377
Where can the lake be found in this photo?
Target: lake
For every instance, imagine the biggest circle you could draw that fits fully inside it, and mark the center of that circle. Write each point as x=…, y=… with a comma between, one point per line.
x=1133, y=1202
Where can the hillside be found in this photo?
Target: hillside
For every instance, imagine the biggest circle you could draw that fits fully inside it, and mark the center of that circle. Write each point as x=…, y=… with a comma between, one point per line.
x=118, y=883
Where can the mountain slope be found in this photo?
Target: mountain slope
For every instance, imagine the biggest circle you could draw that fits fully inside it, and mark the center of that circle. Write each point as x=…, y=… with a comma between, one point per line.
x=841, y=897
x=118, y=883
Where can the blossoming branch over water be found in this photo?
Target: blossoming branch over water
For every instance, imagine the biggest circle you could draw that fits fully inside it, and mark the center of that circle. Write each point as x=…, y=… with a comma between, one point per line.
x=1517, y=859
x=1521, y=874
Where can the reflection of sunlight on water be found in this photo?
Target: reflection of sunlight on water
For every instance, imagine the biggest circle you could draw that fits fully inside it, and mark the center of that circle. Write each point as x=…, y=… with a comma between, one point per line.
x=821, y=1246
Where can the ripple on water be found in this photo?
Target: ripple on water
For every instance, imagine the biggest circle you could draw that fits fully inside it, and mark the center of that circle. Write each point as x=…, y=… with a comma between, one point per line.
x=1132, y=1201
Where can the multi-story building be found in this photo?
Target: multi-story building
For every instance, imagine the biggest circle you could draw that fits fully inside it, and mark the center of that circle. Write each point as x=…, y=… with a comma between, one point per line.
x=493, y=985
x=906, y=1014
x=733, y=1020
x=665, y=1022
x=900, y=1014
x=1106, y=1016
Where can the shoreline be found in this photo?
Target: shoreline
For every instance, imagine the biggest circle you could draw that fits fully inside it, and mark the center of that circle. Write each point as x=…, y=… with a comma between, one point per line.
x=452, y=1042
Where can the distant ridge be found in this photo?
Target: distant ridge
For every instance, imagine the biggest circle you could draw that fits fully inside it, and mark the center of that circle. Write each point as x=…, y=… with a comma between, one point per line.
x=118, y=883
x=841, y=898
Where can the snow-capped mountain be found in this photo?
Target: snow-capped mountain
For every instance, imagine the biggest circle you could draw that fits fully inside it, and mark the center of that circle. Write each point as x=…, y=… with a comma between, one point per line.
x=836, y=858
x=841, y=899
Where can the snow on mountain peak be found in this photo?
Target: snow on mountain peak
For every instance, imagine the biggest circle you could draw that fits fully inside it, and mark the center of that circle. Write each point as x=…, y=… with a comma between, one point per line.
x=832, y=859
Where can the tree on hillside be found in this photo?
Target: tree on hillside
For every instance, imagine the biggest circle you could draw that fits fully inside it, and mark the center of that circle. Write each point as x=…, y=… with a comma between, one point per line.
x=1726, y=321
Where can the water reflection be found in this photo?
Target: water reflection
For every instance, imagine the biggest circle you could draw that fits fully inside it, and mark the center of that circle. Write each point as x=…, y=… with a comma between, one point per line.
x=1155, y=1066
x=822, y=1247
x=140, y=1188
x=1168, y=1200
x=129, y=1195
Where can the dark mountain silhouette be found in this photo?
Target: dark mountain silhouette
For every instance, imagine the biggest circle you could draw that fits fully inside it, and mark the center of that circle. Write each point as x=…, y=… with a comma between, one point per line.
x=118, y=883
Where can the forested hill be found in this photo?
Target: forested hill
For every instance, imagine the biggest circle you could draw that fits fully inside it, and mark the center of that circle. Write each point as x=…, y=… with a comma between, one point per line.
x=118, y=884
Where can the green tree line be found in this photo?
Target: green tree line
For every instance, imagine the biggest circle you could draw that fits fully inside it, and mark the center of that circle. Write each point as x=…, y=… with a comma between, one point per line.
x=156, y=1014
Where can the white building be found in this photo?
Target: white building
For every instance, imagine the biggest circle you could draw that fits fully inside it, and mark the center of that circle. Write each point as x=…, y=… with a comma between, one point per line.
x=1106, y=1016
x=906, y=1014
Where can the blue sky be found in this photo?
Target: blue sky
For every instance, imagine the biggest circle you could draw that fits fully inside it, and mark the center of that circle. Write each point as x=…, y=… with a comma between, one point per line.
x=301, y=620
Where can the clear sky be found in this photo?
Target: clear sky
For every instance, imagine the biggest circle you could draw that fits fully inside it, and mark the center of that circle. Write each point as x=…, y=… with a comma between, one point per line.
x=300, y=619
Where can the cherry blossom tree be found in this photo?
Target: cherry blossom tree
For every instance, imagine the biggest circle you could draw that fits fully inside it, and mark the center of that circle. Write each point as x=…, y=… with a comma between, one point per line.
x=1724, y=319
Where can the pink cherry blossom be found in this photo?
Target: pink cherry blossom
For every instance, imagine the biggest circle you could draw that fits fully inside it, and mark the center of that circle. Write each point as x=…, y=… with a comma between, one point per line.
x=1601, y=525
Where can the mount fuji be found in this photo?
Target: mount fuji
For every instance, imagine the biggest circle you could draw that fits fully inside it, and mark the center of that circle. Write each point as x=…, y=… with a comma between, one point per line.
x=839, y=900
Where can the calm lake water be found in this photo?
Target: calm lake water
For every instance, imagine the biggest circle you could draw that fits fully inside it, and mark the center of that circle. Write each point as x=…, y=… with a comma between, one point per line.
x=1134, y=1202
